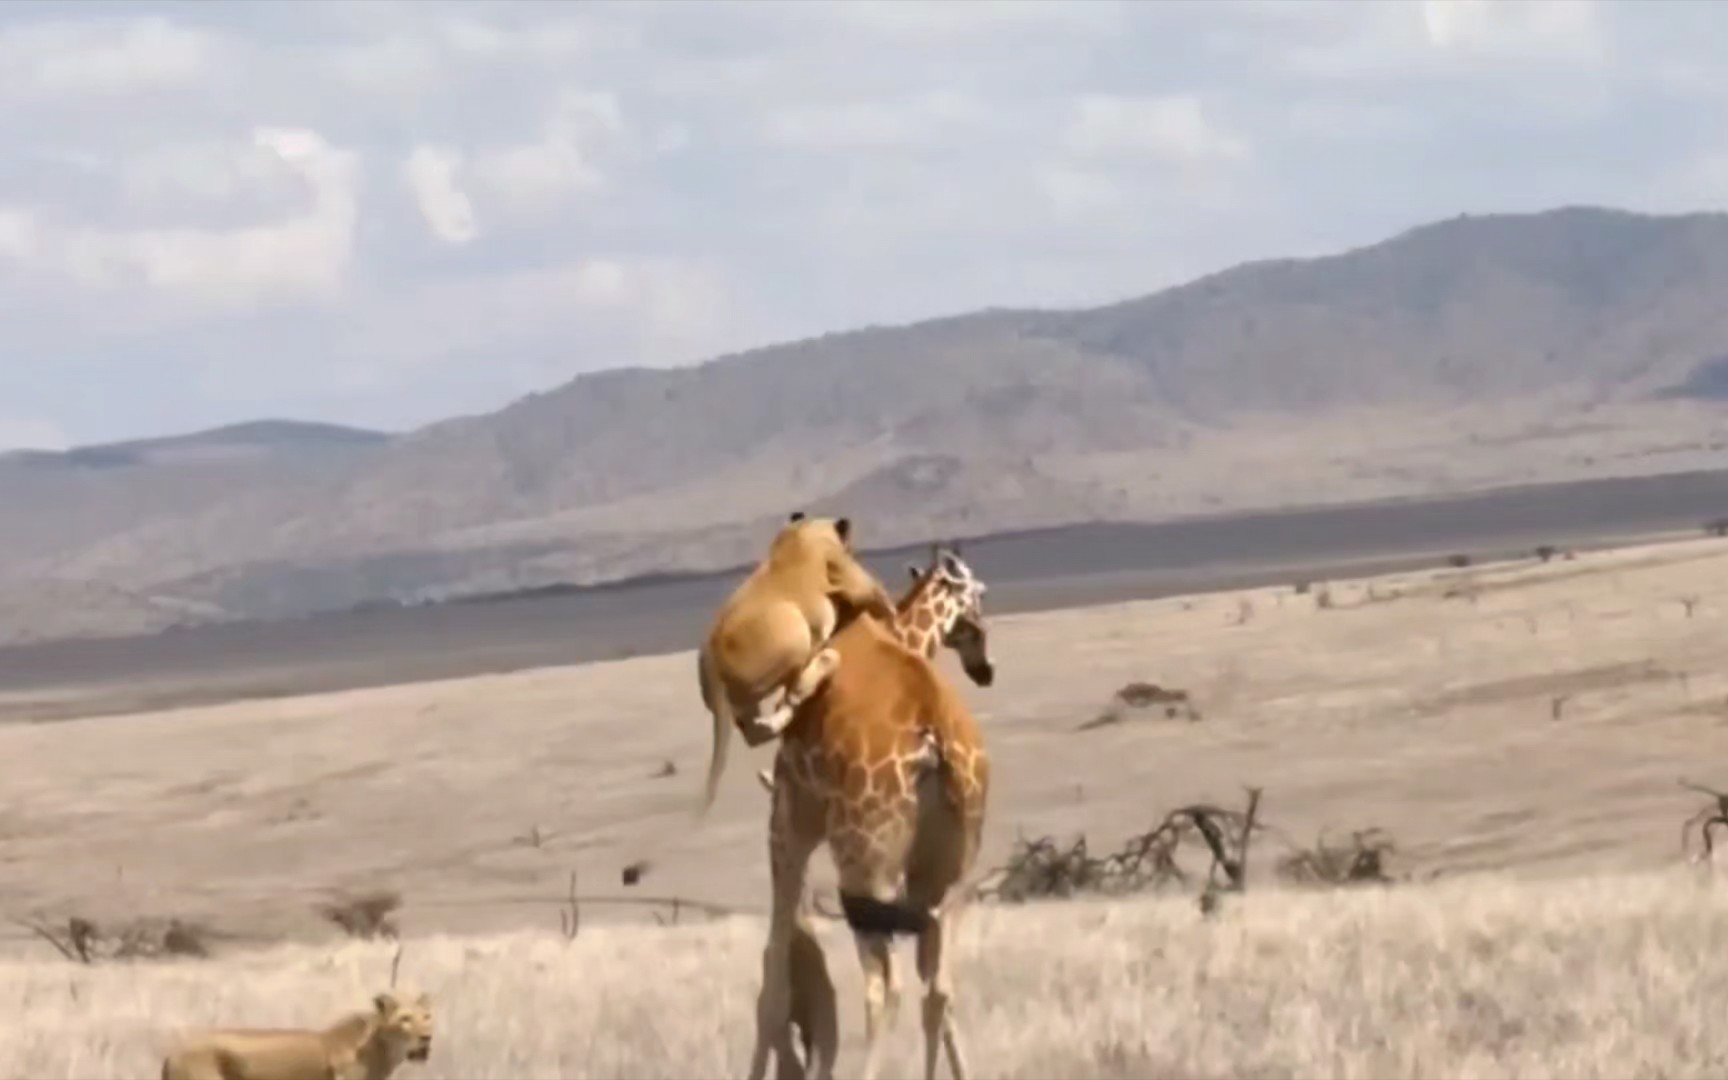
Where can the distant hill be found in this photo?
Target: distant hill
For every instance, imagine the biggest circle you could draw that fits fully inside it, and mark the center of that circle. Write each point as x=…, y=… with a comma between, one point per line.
x=1469, y=353
x=256, y=438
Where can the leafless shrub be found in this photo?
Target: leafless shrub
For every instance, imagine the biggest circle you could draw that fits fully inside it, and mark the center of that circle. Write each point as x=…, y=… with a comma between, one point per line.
x=1302, y=587
x=570, y=915
x=633, y=873
x=1714, y=813
x=1361, y=861
x=1144, y=695
x=1546, y=552
x=365, y=915
x=1041, y=868
x=1557, y=706
x=666, y=769
x=1458, y=562
x=1716, y=527
x=1244, y=612
x=149, y=940
x=81, y=941
x=1323, y=599
x=1690, y=603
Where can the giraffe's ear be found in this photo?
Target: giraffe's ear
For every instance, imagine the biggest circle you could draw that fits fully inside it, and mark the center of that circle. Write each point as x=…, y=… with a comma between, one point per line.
x=843, y=528
x=797, y=515
x=912, y=568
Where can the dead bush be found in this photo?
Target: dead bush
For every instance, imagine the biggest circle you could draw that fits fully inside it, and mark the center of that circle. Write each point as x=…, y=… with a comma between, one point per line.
x=1136, y=696
x=365, y=915
x=83, y=941
x=1042, y=868
x=1713, y=815
x=1360, y=861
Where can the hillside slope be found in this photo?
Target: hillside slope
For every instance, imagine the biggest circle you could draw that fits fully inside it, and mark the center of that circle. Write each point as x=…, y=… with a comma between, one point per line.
x=1468, y=353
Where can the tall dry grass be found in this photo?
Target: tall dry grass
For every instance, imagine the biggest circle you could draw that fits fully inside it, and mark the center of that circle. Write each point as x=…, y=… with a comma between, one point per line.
x=1609, y=977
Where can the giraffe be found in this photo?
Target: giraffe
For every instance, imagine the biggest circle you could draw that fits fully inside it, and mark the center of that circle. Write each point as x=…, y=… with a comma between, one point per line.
x=887, y=767
x=943, y=606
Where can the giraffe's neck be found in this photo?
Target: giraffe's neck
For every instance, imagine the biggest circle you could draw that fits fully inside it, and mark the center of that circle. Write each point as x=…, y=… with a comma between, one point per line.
x=919, y=622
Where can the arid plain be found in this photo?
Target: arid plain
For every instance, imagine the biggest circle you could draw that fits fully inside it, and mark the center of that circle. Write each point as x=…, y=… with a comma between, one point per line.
x=1517, y=727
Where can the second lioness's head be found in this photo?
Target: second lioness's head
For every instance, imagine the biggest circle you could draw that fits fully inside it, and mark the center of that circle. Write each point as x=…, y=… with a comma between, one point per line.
x=404, y=1024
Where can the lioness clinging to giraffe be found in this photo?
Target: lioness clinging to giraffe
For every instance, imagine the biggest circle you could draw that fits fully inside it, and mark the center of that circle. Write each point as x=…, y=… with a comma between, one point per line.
x=767, y=649
x=943, y=607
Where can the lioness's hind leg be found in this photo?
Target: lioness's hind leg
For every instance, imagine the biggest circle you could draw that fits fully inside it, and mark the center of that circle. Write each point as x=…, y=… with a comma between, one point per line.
x=767, y=718
x=820, y=667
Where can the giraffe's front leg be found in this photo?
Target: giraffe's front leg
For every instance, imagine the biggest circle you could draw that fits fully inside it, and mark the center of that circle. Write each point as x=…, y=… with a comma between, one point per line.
x=789, y=851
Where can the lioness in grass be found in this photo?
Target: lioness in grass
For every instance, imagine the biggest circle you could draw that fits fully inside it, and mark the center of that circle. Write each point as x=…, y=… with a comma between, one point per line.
x=360, y=1046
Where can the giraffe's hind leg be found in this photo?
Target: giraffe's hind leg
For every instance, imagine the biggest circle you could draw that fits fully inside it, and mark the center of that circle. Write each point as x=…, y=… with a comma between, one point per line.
x=936, y=968
x=881, y=996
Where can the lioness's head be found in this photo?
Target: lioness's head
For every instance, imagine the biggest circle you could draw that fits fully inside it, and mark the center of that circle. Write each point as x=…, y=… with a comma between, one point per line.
x=405, y=1023
x=842, y=527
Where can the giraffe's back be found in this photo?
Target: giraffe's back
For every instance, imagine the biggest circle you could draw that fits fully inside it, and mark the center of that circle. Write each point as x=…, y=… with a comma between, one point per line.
x=867, y=735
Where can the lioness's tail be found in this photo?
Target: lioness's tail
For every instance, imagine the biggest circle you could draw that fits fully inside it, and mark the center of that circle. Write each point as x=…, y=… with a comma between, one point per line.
x=720, y=705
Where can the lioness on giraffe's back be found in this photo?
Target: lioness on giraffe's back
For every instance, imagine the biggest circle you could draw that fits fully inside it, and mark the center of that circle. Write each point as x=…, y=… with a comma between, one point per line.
x=366, y=1045
x=766, y=651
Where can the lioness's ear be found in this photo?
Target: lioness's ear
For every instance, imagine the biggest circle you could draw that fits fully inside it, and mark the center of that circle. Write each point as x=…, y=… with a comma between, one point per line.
x=843, y=527
x=384, y=1003
x=797, y=515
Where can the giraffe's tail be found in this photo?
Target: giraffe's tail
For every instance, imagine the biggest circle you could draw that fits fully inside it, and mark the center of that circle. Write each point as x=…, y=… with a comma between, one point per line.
x=720, y=706
x=868, y=915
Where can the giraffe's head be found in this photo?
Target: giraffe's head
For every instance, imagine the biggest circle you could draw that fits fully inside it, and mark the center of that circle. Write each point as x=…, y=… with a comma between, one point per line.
x=957, y=594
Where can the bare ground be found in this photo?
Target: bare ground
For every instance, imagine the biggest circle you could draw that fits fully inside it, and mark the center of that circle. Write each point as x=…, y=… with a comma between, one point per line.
x=1524, y=719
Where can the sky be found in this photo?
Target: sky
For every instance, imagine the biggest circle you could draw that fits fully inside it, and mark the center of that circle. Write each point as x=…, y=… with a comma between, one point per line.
x=384, y=214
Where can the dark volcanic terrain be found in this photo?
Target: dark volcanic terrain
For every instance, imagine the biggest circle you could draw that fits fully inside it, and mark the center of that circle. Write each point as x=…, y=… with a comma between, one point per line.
x=1032, y=571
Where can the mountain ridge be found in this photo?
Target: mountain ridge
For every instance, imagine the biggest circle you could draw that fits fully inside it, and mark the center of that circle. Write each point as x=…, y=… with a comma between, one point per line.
x=1473, y=352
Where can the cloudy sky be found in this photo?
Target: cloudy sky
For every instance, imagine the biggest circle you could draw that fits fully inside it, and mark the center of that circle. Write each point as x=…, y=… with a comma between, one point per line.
x=386, y=213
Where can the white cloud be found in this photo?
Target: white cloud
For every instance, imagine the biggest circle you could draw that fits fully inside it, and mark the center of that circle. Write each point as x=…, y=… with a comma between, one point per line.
x=629, y=309
x=102, y=56
x=19, y=235
x=206, y=175
x=1514, y=29
x=1174, y=128
x=27, y=434
x=532, y=179
x=1079, y=193
x=303, y=255
x=430, y=173
x=821, y=165
x=947, y=20
x=914, y=120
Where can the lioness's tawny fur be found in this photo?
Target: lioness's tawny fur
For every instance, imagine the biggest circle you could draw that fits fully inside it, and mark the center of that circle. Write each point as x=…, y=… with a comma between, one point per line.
x=768, y=641
x=360, y=1046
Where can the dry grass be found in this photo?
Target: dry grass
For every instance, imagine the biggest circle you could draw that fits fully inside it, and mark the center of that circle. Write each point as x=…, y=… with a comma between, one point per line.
x=1522, y=720
x=1601, y=977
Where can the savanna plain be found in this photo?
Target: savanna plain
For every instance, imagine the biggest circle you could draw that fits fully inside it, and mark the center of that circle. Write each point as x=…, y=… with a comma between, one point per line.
x=1518, y=729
